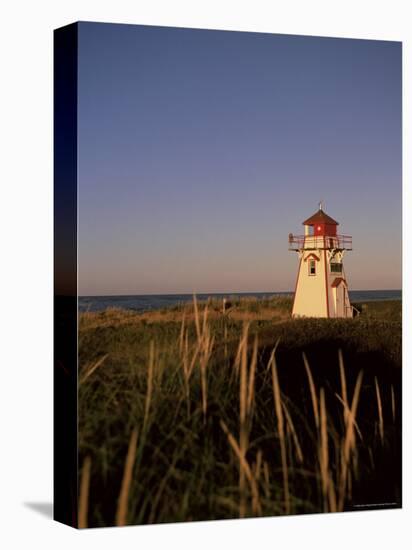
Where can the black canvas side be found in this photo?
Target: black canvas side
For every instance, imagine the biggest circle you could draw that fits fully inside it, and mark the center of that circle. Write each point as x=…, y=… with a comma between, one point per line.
x=65, y=275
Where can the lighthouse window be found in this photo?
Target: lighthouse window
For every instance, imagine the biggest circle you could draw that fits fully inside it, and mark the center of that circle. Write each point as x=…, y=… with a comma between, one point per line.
x=312, y=267
x=335, y=267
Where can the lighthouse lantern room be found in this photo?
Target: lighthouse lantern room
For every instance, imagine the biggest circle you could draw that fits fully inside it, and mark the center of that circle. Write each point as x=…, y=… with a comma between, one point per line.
x=321, y=285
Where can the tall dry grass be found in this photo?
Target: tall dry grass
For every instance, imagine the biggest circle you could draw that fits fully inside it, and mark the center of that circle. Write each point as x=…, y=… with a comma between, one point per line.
x=245, y=370
x=122, y=505
x=149, y=391
x=84, y=493
x=271, y=446
x=380, y=413
x=348, y=446
x=281, y=431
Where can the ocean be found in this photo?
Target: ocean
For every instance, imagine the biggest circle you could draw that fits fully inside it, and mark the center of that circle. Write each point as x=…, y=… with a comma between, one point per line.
x=147, y=302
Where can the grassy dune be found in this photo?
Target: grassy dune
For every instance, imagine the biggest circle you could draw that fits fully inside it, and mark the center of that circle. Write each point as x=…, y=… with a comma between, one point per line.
x=196, y=413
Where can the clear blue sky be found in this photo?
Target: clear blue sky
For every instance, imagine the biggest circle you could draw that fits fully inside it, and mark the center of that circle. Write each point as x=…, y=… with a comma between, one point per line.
x=200, y=151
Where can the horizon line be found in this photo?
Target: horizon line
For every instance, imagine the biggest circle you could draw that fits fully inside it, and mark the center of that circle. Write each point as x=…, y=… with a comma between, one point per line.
x=226, y=293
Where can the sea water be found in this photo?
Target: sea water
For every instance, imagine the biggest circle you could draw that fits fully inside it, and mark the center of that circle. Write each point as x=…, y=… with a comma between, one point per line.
x=147, y=302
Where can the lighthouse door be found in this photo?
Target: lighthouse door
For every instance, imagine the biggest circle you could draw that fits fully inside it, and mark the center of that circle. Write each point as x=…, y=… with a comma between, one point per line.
x=340, y=300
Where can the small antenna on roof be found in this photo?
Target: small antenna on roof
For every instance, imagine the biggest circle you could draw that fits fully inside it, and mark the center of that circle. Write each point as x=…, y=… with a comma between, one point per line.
x=320, y=205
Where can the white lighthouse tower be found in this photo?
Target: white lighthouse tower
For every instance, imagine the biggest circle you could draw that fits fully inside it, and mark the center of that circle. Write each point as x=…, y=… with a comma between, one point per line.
x=321, y=287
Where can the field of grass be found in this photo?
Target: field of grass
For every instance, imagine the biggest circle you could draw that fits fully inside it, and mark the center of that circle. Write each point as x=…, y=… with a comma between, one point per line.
x=203, y=412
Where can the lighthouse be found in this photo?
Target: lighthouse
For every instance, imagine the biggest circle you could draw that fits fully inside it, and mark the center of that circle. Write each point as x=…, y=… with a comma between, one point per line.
x=321, y=285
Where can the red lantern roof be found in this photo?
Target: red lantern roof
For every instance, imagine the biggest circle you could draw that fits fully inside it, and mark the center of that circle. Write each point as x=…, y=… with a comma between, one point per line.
x=320, y=217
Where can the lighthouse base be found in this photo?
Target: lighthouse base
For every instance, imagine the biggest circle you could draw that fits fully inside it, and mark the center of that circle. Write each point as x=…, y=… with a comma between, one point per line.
x=320, y=292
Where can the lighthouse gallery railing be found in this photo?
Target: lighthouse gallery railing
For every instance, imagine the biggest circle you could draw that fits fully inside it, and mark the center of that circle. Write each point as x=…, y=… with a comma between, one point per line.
x=320, y=242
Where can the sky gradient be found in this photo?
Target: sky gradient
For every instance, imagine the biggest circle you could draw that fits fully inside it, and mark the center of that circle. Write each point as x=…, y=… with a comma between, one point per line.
x=200, y=151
